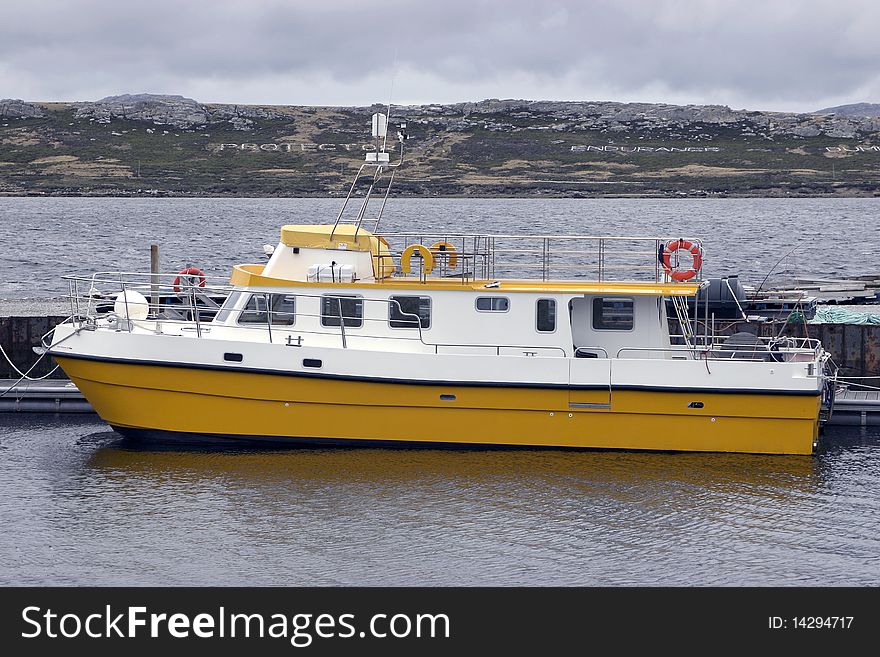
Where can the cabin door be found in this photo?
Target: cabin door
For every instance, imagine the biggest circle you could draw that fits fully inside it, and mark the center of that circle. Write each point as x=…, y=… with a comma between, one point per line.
x=589, y=372
x=589, y=383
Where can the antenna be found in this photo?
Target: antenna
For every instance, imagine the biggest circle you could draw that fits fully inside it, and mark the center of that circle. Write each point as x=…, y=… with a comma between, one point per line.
x=761, y=286
x=380, y=160
x=380, y=131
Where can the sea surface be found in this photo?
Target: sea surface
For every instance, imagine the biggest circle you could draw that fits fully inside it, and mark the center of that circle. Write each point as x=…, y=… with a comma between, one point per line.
x=81, y=506
x=42, y=239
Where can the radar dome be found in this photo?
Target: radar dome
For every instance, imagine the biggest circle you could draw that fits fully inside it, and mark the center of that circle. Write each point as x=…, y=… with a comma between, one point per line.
x=131, y=305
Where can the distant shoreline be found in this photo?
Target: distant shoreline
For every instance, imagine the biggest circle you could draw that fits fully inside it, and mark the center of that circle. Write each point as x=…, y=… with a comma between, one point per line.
x=524, y=195
x=169, y=146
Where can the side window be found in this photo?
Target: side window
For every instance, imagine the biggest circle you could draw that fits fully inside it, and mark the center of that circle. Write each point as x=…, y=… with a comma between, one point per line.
x=350, y=307
x=613, y=314
x=227, y=307
x=493, y=304
x=254, y=311
x=283, y=308
x=402, y=309
x=545, y=315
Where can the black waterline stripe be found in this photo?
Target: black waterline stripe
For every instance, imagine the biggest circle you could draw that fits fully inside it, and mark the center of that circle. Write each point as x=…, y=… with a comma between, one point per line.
x=165, y=437
x=439, y=383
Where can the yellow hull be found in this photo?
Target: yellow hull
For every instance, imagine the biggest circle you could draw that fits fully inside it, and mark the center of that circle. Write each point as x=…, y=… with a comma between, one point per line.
x=245, y=405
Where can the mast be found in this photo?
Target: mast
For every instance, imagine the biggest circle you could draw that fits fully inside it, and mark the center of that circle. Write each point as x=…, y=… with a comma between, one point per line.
x=377, y=161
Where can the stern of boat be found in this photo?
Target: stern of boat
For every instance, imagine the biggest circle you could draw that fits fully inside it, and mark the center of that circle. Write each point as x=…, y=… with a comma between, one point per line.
x=828, y=375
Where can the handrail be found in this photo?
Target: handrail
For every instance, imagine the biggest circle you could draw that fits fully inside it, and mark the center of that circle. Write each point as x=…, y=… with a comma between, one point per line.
x=590, y=348
x=642, y=238
x=494, y=256
x=496, y=347
x=704, y=351
x=190, y=289
x=808, y=344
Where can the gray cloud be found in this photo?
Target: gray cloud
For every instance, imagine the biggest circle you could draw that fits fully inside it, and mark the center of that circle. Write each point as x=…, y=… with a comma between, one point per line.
x=784, y=54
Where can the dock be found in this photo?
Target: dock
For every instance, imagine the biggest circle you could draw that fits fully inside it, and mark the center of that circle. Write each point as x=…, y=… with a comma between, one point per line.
x=807, y=293
x=852, y=291
x=859, y=408
x=46, y=396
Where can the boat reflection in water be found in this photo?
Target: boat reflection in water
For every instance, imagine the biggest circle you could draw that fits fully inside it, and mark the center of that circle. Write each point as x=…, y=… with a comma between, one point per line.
x=610, y=471
x=87, y=507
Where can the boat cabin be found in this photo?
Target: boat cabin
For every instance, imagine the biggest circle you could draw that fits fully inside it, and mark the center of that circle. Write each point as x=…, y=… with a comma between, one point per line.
x=328, y=284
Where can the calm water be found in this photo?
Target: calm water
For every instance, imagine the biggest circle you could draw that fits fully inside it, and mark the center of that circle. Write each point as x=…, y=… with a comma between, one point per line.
x=80, y=506
x=42, y=239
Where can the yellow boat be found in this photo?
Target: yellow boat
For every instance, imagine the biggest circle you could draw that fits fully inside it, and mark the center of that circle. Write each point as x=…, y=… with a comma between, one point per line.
x=350, y=337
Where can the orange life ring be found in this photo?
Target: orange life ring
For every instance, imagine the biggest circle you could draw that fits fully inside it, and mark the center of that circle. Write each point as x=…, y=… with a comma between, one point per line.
x=682, y=245
x=189, y=271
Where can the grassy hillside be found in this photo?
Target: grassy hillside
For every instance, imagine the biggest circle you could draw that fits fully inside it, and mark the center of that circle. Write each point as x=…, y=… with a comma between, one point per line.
x=480, y=148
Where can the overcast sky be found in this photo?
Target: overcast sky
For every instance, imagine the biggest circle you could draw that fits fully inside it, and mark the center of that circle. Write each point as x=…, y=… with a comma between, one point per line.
x=787, y=55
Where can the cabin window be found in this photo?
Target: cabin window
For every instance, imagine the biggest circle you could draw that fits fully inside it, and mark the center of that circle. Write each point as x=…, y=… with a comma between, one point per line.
x=613, y=314
x=545, y=315
x=227, y=307
x=402, y=309
x=348, y=306
x=493, y=304
x=281, y=308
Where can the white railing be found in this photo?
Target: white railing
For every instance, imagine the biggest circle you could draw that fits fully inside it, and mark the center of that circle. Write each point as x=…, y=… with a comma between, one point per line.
x=543, y=257
x=190, y=306
x=186, y=305
x=762, y=352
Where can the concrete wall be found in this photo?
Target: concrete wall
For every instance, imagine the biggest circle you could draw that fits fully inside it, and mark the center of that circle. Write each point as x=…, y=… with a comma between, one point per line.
x=19, y=335
x=855, y=347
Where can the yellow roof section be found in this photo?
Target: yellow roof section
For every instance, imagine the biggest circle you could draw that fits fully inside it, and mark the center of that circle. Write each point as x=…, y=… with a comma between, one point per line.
x=317, y=236
x=251, y=276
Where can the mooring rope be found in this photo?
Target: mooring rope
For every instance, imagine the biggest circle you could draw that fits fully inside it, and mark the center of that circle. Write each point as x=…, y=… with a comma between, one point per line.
x=25, y=375
x=862, y=385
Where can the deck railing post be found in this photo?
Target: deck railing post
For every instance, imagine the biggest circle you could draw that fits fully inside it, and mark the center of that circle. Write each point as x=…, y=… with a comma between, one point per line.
x=705, y=315
x=268, y=316
x=341, y=322
x=545, y=264
x=72, y=295
x=657, y=261
x=154, y=277
x=195, y=310
x=127, y=314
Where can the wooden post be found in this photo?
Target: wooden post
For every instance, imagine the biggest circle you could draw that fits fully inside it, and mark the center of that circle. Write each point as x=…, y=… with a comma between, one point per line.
x=154, y=277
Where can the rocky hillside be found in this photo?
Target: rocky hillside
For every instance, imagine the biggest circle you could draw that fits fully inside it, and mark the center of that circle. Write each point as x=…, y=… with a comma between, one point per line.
x=856, y=109
x=171, y=145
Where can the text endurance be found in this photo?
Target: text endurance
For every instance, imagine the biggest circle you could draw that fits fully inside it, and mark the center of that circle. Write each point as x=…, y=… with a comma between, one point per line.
x=300, y=629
